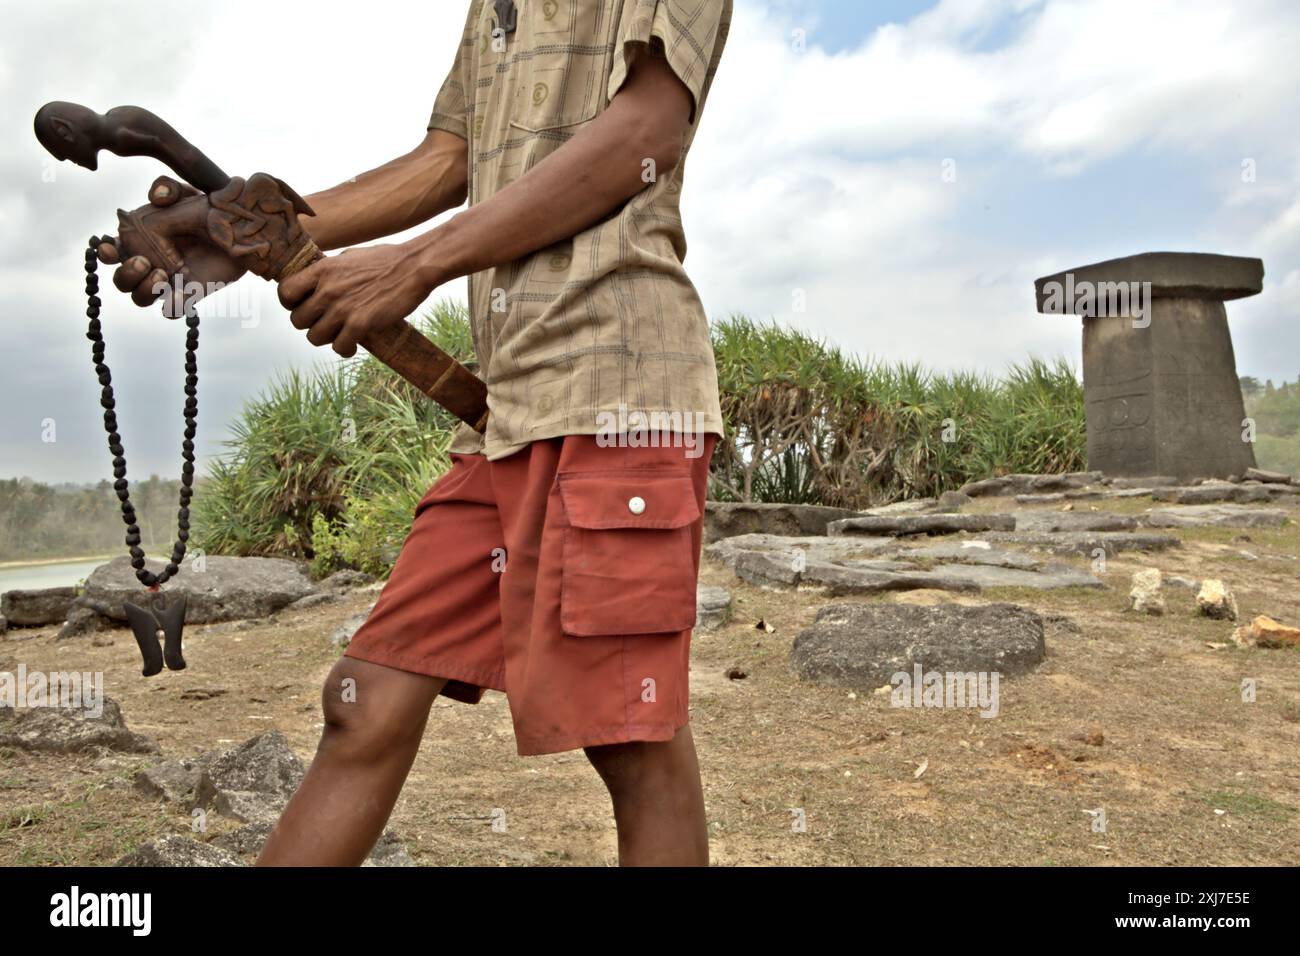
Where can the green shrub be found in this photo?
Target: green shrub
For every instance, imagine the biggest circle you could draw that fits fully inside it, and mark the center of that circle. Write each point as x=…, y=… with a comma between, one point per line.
x=329, y=464
x=807, y=423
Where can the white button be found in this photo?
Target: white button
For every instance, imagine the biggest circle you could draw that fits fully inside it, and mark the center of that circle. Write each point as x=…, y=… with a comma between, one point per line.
x=636, y=505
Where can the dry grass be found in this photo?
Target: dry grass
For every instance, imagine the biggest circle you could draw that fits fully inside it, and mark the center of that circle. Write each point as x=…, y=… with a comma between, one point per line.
x=1179, y=744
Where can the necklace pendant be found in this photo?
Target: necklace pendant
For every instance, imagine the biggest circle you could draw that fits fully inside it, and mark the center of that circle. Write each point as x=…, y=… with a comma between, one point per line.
x=507, y=15
x=157, y=622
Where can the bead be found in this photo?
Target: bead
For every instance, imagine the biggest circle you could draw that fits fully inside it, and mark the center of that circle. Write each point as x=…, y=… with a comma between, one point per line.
x=171, y=569
x=137, y=563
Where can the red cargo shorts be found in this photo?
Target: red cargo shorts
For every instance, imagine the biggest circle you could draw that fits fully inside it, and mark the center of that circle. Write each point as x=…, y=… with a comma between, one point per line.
x=563, y=575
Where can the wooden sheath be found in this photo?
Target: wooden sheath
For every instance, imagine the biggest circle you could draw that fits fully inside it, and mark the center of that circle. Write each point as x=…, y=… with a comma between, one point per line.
x=430, y=369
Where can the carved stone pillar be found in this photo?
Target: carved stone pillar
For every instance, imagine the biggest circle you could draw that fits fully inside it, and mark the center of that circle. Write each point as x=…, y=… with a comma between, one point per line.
x=1159, y=374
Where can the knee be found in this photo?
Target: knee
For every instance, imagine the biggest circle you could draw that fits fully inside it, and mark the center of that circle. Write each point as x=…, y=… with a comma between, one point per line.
x=358, y=719
x=624, y=768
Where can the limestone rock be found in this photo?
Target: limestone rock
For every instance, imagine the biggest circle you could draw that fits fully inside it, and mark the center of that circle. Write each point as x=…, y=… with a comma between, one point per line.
x=909, y=506
x=1142, y=483
x=1145, y=597
x=178, y=851
x=1220, y=515
x=1056, y=521
x=389, y=851
x=724, y=519
x=1214, y=600
x=1215, y=492
x=174, y=781
x=973, y=552
x=1264, y=631
x=318, y=599
x=1088, y=543
x=1024, y=484
x=81, y=620
x=814, y=548
x=952, y=501
x=712, y=607
x=227, y=589
x=1268, y=477
x=248, y=806
x=248, y=841
x=920, y=524
x=346, y=580
x=252, y=781
x=861, y=646
x=37, y=607
x=343, y=634
x=69, y=730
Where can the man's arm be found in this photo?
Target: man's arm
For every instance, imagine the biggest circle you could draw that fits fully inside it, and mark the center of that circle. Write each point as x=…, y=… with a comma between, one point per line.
x=342, y=298
x=400, y=194
x=405, y=192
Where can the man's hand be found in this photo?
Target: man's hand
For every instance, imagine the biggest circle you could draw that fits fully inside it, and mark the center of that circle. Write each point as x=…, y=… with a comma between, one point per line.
x=341, y=300
x=174, y=213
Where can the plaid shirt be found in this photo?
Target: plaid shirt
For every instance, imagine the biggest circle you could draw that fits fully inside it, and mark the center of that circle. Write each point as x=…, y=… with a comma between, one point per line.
x=605, y=323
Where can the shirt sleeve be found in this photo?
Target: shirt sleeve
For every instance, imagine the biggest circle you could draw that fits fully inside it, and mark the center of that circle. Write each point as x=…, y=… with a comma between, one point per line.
x=450, y=108
x=688, y=34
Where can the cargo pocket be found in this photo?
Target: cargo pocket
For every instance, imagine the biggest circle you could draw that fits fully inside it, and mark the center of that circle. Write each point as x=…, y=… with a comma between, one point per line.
x=629, y=564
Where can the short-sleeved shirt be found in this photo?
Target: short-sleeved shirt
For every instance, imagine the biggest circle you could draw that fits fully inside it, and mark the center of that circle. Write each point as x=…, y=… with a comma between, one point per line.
x=606, y=323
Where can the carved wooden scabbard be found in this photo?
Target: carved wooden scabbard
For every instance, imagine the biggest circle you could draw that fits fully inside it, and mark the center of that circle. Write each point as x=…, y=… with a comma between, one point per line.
x=254, y=220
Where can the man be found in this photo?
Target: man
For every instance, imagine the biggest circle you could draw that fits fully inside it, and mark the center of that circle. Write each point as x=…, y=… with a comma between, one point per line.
x=547, y=563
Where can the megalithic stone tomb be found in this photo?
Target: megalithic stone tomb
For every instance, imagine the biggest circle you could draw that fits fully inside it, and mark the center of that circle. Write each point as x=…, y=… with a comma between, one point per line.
x=1159, y=375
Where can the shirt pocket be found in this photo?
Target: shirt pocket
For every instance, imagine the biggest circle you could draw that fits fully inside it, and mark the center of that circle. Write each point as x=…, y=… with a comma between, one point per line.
x=562, y=58
x=629, y=562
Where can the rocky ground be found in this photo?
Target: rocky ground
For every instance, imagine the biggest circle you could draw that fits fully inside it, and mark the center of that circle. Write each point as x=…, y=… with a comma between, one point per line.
x=1142, y=717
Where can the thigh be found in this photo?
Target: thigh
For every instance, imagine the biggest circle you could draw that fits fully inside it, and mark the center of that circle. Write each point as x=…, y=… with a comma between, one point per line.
x=438, y=614
x=598, y=601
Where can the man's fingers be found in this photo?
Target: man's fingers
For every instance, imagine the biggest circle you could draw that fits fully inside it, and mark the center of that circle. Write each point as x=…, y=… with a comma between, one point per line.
x=149, y=288
x=166, y=191
x=298, y=286
x=128, y=274
x=107, y=251
x=307, y=313
x=345, y=343
x=325, y=328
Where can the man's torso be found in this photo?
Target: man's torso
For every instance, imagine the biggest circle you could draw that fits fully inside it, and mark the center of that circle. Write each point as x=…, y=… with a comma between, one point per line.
x=606, y=323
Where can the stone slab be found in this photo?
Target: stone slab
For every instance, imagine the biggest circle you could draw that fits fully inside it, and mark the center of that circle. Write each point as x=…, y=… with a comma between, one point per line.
x=724, y=519
x=1173, y=275
x=1220, y=515
x=862, y=646
x=1088, y=543
x=920, y=524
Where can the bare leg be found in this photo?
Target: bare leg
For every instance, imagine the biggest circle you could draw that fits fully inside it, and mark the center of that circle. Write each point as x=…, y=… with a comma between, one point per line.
x=374, y=720
x=658, y=802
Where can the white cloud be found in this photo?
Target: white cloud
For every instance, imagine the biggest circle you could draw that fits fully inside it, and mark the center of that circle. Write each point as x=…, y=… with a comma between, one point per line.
x=812, y=171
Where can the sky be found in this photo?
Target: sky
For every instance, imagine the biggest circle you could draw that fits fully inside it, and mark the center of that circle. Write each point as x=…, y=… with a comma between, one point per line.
x=904, y=170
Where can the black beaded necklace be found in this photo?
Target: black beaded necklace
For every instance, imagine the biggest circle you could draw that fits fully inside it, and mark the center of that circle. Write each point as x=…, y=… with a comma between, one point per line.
x=157, y=624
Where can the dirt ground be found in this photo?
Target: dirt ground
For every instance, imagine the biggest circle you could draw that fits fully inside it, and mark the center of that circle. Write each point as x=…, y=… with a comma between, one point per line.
x=1188, y=773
